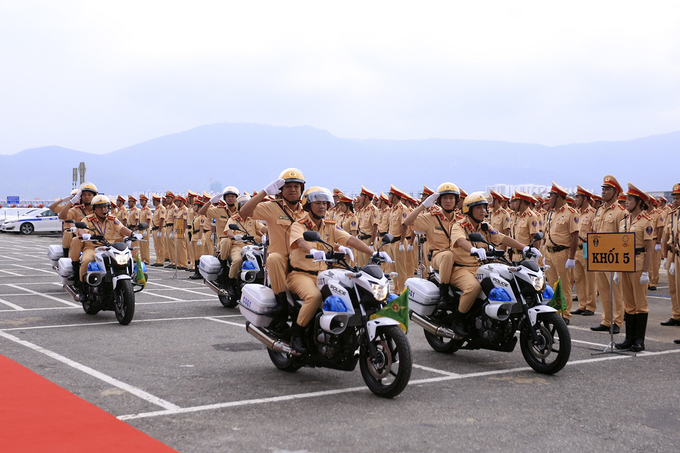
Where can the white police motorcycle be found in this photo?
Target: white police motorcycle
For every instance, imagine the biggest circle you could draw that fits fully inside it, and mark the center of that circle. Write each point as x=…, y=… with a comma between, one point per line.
x=342, y=333
x=110, y=282
x=514, y=298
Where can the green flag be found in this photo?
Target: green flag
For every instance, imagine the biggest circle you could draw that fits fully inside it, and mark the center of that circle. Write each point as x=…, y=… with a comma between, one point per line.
x=396, y=309
x=139, y=276
x=558, y=301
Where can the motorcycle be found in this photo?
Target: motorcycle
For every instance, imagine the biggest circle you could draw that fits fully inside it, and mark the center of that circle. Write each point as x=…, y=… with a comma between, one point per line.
x=110, y=282
x=342, y=332
x=216, y=273
x=513, y=298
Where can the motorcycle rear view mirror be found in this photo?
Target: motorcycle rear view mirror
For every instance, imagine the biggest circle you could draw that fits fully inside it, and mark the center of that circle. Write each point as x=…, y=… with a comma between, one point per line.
x=476, y=237
x=233, y=226
x=538, y=236
x=311, y=236
x=142, y=226
x=81, y=225
x=387, y=239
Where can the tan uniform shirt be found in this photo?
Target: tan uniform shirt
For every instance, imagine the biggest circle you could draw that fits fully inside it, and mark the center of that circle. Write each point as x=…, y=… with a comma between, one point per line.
x=78, y=212
x=145, y=215
x=109, y=228
x=278, y=223
x=367, y=217
x=607, y=220
x=524, y=227
x=252, y=226
x=159, y=217
x=461, y=229
x=500, y=219
x=384, y=220
x=221, y=215
x=643, y=227
x=436, y=227
x=348, y=222
x=585, y=222
x=397, y=214
x=561, y=223
x=132, y=217
x=121, y=214
x=330, y=232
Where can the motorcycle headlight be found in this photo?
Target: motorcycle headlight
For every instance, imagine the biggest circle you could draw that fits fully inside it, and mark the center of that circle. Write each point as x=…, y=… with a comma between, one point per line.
x=122, y=260
x=380, y=292
x=538, y=283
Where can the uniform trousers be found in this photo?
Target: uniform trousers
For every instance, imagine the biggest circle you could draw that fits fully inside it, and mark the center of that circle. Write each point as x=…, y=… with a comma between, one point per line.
x=604, y=286
x=654, y=265
x=144, y=246
x=277, y=270
x=557, y=271
x=195, y=252
x=634, y=294
x=182, y=255
x=424, y=262
x=170, y=242
x=401, y=266
x=361, y=258
x=191, y=256
x=586, y=289
x=236, y=260
x=66, y=238
x=87, y=258
x=159, y=246
x=223, y=247
x=304, y=285
x=673, y=281
x=443, y=262
x=463, y=278
x=75, y=249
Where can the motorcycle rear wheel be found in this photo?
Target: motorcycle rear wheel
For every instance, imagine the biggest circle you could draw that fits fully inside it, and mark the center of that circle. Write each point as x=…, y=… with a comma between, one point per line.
x=124, y=302
x=284, y=362
x=389, y=376
x=441, y=344
x=552, y=352
x=228, y=302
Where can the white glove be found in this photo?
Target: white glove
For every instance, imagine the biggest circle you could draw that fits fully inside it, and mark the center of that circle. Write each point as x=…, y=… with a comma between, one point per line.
x=76, y=197
x=274, y=187
x=216, y=199
x=264, y=238
x=644, y=278
x=401, y=247
x=672, y=269
x=317, y=254
x=238, y=237
x=409, y=248
x=430, y=201
x=212, y=237
x=73, y=229
x=199, y=243
x=385, y=257
x=347, y=251
x=158, y=234
x=616, y=278
x=534, y=251
x=137, y=236
x=86, y=236
x=481, y=253
x=657, y=247
x=664, y=264
x=569, y=264
x=171, y=236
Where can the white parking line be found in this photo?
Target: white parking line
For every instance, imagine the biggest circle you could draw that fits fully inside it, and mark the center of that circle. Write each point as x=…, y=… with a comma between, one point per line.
x=226, y=322
x=9, y=258
x=44, y=295
x=450, y=377
x=90, y=324
x=11, y=273
x=10, y=304
x=33, y=269
x=96, y=374
x=177, y=289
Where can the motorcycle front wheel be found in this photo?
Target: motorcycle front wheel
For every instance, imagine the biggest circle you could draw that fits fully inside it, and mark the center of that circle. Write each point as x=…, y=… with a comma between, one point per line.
x=389, y=373
x=124, y=302
x=553, y=348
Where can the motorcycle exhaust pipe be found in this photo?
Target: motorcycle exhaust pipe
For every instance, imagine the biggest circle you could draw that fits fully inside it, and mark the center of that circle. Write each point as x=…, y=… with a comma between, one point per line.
x=271, y=343
x=69, y=289
x=215, y=288
x=434, y=329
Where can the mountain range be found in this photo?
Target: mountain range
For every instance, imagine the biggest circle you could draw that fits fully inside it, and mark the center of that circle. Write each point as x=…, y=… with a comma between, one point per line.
x=249, y=156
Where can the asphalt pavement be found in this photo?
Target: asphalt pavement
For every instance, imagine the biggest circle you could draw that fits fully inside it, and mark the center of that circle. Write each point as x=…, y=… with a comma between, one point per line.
x=186, y=372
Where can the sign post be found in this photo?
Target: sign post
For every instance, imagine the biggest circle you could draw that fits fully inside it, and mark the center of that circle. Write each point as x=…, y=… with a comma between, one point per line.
x=611, y=252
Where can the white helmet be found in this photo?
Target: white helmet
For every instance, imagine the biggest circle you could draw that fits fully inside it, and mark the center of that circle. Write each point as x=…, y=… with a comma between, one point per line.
x=230, y=190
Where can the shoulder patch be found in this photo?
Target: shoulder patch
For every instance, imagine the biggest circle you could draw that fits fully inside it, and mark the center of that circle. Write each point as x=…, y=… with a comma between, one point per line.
x=649, y=230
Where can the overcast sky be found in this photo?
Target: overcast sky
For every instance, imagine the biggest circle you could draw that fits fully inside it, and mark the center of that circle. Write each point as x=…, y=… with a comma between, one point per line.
x=99, y=76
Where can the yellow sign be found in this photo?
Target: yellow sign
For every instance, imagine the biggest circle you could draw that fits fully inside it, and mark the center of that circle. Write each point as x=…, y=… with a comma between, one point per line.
x=611, y=252
x=180, y=228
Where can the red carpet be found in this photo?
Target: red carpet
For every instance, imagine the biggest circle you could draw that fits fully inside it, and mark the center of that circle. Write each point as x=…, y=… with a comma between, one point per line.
x=39, y=416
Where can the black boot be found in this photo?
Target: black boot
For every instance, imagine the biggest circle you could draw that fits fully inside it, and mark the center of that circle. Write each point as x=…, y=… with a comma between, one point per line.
x=76, y=274
x=444, y=297
x=458, y=324
x=281, y=309
x=640, y=329
x=297, y=340
x=66, y=252
x=231, y=286
x=630, y=321
x=197, y=275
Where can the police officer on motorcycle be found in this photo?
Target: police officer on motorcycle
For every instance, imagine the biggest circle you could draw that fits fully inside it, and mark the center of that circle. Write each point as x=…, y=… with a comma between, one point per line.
x=467, y=253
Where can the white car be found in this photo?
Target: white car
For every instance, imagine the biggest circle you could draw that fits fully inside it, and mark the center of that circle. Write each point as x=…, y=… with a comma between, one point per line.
x=35, y=220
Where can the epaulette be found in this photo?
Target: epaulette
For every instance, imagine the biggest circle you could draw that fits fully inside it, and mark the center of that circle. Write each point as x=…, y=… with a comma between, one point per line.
x=306, y=222
x=237, y=218
x=330, y=222
x=621, y=207
x=90, y=216
x=571, y=209
x=111, y=217
x=646, y=216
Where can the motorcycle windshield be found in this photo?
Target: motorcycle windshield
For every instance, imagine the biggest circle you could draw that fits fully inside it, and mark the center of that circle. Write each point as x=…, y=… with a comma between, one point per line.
x=373, y=270
x=119, y=246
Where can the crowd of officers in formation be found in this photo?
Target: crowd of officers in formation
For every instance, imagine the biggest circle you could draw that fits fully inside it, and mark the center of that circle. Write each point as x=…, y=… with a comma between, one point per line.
x=438, y=226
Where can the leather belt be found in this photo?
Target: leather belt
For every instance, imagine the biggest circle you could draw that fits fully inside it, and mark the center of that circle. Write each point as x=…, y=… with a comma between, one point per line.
x=382, y=234
x=364, y=236
x=397, y=238
x=557, y=248
x=639, y=250
x=306, y=272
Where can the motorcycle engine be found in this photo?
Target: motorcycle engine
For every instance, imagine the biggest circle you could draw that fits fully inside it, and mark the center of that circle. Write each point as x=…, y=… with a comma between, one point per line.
x=327, y=344
x=492, y=330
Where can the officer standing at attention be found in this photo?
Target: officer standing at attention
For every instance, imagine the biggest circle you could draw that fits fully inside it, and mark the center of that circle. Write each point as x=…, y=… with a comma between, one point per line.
x=145, y=216
x=658, y=220
x=435, y=216
x=526, y=223
x=634, y=284
x=607, y=220
x=198, y=224
x=157, y=229
x=181, y=213
x=499, y=217
x=466, y=254
x=132, y=220
x=367, y=231
x=170, y=228
x=302, y=278
x=398, y=213
x=561, y=243
x=279, y=216
x=585, y=281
